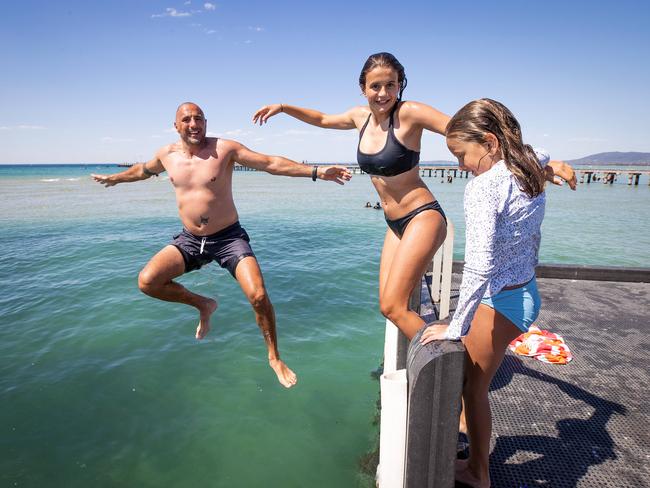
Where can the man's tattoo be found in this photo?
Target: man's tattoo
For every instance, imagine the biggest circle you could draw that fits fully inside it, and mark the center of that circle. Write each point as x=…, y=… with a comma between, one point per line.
x=204, y=220
x=213, y=179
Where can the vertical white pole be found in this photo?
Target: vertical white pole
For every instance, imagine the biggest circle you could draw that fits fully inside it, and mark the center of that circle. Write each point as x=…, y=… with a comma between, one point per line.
x=392, y=438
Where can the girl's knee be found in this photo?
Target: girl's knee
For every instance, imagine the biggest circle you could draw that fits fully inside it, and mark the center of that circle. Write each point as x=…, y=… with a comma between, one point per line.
x=385, y=307
x=392, y=310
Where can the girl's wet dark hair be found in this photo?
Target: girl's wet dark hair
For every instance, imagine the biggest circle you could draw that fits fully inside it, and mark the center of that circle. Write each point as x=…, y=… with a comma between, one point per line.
x=480, y=117
x=385, y=60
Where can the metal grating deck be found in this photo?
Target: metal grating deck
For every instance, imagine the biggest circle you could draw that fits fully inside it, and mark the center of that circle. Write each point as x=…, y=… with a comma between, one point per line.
x=585, y=424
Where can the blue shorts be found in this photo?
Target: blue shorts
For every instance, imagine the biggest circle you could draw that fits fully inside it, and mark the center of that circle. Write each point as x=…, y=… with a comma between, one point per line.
x=519, y=305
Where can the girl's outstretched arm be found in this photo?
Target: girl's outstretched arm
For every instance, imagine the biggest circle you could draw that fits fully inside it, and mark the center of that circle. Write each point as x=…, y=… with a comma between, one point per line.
x=342, y=121
x=558, y=172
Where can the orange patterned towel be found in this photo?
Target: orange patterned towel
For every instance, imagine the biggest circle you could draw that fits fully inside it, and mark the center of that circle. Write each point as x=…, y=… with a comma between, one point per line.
x=542, y=345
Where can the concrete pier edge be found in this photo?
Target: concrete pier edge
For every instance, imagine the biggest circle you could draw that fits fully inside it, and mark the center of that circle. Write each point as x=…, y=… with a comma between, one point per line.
x=584, y=272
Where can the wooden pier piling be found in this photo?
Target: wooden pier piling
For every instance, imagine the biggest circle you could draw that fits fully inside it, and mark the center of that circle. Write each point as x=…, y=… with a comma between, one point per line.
x=609, y=176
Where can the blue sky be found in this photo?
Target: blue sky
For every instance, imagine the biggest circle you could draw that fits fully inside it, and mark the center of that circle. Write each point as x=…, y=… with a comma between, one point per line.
x=92, y=81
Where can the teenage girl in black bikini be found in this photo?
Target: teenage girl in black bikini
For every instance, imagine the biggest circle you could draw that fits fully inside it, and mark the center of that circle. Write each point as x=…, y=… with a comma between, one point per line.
x=389, y=145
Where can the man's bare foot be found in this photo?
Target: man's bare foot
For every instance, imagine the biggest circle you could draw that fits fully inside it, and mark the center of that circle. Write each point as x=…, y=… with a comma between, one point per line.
x=205, y=312
x=466, y=477
x=287, y=377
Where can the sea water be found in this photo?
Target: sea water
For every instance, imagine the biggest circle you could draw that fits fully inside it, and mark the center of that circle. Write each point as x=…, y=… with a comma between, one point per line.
x=102, y=386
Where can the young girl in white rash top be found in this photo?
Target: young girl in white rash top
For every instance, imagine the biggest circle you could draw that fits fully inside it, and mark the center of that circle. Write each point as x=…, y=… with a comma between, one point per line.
x=504, y=208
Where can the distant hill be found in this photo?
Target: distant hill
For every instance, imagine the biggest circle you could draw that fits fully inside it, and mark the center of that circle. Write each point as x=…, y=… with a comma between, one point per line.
x=623, y=158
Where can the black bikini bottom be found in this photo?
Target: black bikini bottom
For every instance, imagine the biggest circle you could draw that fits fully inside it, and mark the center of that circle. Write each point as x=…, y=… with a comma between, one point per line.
x=398, y=226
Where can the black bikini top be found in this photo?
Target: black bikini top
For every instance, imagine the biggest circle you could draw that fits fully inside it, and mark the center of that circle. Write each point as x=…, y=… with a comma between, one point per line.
x=394, y=159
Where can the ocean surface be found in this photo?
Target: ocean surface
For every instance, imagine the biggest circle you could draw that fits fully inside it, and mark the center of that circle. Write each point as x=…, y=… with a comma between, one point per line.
x=102, y=386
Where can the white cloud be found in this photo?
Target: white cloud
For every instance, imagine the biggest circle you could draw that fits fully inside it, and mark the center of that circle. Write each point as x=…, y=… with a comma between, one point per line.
x=23, y=127
x=109, y=139
x=298, y=132
x=248, y=41
x=256, y=29
x=189, y=2
x=234, y=133
x=209, y=6
x=211, y=31
x=156, y=136
x=172, y=12
x=586, y=139
x=237, y=133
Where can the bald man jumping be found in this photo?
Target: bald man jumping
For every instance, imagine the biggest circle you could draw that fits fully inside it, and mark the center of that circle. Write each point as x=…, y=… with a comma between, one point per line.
x=200, y=169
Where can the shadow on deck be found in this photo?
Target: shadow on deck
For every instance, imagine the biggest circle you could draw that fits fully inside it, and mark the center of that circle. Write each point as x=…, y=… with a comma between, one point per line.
x=584, y=424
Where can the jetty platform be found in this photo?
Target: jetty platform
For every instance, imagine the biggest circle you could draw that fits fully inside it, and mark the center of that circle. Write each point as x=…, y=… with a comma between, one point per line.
x=587, y=423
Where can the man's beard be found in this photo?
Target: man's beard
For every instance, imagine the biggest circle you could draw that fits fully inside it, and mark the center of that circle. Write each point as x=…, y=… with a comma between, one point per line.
x=195, y=140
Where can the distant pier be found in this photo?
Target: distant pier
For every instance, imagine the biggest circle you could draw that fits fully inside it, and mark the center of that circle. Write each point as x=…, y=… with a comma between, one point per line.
x=425, y=170
x=609, y=176
x=449, y=173
x=605, y=175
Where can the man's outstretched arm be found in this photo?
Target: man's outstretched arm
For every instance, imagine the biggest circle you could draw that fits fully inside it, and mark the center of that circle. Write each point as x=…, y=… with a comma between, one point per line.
x=277, y=165
x=137, y=172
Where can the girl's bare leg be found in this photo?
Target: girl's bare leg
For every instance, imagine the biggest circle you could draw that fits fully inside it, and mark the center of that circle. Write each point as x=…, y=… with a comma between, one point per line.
x=402, y=265
x=485, y=346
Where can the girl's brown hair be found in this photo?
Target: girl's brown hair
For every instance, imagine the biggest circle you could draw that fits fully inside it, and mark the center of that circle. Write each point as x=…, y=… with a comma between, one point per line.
x=471, y=124
x=385, y=60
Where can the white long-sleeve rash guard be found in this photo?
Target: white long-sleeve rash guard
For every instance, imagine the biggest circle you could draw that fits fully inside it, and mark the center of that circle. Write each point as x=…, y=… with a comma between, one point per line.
x=502, y=237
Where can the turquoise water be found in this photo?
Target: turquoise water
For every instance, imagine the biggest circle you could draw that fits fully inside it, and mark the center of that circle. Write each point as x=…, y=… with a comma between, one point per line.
x=102, y=386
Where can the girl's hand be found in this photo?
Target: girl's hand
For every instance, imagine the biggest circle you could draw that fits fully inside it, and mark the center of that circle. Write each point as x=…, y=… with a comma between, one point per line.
x=557, y=172
x=436, y=331
x=263, y=114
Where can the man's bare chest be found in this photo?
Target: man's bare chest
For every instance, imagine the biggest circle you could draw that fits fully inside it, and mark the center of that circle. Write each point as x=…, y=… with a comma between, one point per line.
x=191, y=173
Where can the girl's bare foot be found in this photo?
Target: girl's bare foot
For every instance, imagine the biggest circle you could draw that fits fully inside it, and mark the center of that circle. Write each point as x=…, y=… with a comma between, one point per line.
x=466, y=477
x=206, y=310
x=286, y=377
